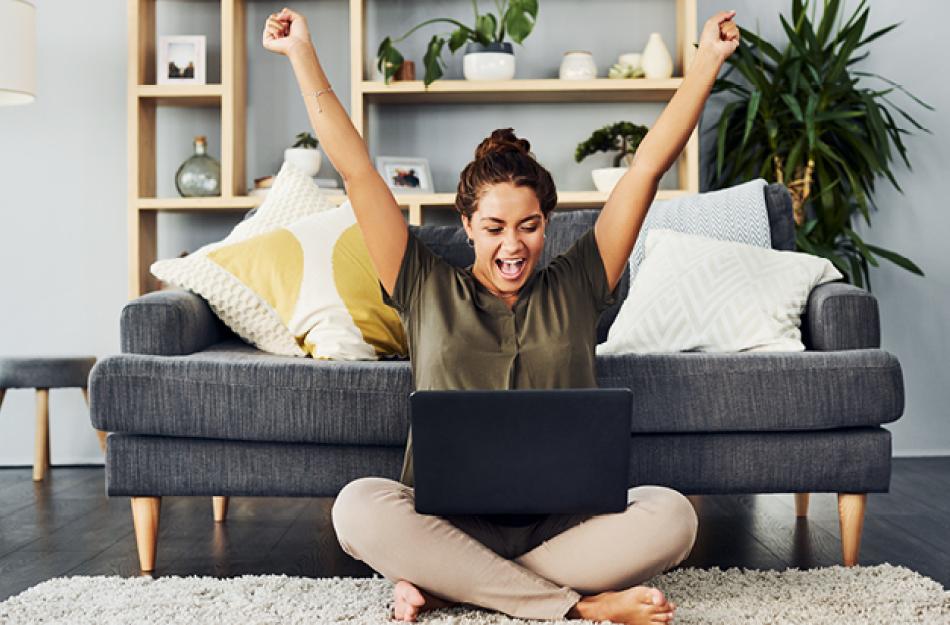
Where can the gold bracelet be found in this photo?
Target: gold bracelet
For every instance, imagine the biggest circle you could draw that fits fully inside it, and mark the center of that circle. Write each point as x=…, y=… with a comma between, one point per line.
x=317, y=94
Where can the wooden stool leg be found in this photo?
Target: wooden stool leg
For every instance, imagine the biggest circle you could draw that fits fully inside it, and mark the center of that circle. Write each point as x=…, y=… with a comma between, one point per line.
x=851, y=517
x=801, y=505
x=220, y=506
x=145, y=513
x=41, y=437
x=101, y=434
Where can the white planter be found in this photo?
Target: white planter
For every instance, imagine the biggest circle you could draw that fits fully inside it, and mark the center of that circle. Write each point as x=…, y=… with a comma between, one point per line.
x=306, y=159
x=492, y=62
x=656, y=60
x=606, y=178
x=577, y=65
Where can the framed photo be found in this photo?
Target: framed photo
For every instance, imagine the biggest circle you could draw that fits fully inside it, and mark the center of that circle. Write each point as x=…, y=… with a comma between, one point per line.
x=181, y=60
x=405, y=174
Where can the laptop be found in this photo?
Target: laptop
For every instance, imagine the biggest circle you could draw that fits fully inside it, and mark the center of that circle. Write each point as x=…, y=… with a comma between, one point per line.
x=563, y=451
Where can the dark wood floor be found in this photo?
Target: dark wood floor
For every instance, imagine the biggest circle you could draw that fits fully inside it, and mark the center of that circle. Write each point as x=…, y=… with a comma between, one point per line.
x=67, y=526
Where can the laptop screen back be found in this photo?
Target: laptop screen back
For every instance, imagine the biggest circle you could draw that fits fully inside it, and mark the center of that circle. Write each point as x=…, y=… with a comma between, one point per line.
x=521, y=451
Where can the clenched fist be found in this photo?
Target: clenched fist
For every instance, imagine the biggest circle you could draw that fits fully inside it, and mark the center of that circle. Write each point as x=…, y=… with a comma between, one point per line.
x=720, y=35
x=284, y=30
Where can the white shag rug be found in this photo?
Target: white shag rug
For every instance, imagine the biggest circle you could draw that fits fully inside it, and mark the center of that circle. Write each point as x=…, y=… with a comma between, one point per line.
x=873, y=595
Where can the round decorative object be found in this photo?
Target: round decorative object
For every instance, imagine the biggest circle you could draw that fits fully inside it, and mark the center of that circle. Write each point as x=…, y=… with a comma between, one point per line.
x=607, y=177
x=656, y=60
x=631, y=59
x=308, y=160
x=496, y=61
x=199, y=175
x=578, y=65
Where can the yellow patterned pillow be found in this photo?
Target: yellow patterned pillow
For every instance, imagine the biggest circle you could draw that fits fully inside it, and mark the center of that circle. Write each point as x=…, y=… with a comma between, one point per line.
x=317, y=276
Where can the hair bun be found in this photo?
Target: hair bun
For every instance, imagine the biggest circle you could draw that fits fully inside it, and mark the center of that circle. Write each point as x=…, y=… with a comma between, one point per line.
x=501, y=141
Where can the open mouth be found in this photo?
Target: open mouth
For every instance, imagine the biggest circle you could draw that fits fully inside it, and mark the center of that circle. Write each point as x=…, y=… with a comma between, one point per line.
x=511, y=269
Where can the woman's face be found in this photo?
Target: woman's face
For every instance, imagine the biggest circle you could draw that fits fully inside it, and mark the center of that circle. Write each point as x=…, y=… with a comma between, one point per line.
x=508, y=233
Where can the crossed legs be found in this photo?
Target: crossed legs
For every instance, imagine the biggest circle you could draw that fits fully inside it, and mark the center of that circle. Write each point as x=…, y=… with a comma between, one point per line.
x=539, y=572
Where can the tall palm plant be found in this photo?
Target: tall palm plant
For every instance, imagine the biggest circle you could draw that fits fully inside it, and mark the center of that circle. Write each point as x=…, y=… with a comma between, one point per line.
x=801, y=118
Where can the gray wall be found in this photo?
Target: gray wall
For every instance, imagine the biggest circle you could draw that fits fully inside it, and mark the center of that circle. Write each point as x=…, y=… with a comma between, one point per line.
x=63, y=247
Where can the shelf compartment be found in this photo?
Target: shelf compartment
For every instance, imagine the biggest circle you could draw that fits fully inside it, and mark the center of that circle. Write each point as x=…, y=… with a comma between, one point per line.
x=529, y=90
x=181, y=95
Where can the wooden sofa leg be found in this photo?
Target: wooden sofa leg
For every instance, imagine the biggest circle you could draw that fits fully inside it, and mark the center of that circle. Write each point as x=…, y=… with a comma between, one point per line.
x=220, y=506
x=851, y=517
x=41, y=436
x=145, y=513
x=801, y=505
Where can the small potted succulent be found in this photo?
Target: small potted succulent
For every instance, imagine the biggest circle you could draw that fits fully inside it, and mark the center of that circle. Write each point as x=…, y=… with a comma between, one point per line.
x=487, y=56
x=621, y=137
x=304, y=154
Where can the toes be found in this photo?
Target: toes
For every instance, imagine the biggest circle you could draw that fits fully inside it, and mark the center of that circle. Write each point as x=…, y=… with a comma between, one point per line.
x=657, y=597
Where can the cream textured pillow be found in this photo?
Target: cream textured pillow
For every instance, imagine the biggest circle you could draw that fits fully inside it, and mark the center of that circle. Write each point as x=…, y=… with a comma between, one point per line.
x=293, y=197
x=693, y=293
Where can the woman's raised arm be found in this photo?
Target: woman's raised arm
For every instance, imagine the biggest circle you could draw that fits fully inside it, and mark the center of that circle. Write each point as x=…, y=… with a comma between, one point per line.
x=377, y=212
x=619, y=223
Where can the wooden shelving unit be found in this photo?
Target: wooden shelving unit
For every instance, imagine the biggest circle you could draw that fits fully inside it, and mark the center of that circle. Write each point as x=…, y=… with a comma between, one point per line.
x=144, y=96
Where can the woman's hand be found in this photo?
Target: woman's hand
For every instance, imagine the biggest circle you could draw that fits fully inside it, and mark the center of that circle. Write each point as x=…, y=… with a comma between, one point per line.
x=284, y=30
x=720, y=36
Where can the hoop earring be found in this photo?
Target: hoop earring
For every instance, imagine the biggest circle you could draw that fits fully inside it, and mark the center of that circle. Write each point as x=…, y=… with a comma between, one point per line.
x=471, y=243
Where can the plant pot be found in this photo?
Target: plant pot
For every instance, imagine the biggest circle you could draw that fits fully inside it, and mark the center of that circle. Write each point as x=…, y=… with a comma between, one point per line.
x=496, y=61
x=307, y=160
x=606, y=178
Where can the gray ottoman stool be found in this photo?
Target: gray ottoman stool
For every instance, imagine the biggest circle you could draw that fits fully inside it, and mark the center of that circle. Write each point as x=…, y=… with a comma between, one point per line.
x=44, y=373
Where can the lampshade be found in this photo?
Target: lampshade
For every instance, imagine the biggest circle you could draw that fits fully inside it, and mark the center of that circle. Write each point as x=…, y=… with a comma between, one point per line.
x=17, y=52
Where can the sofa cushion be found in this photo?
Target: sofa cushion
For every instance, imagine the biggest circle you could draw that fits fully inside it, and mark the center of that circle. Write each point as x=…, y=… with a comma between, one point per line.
x=233, y=391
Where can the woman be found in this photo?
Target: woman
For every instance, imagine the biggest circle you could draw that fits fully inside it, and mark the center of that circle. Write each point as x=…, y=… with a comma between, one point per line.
x=503, y=324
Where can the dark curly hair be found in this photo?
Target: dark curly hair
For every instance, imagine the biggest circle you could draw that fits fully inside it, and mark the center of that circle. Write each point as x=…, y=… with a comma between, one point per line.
x=503, y=157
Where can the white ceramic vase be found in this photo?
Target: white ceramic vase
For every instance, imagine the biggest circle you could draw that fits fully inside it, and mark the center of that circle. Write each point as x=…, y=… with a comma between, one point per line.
x=307, y=160
x=606, y=178
x=495, y=61
x=656, y=60
x=577, y=65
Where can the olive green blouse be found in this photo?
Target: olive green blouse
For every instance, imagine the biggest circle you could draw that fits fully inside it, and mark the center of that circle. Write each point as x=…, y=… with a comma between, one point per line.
x=462, y=337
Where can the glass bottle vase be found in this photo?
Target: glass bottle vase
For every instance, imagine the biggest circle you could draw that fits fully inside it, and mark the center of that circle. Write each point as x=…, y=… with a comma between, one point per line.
x=200, y=174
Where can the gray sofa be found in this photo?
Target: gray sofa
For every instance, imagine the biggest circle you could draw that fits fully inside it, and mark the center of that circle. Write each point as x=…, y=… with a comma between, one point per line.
x=193, y=410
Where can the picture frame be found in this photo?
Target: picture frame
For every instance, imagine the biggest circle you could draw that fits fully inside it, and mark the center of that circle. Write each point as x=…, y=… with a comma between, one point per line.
x=405, y=174
x=181, y=60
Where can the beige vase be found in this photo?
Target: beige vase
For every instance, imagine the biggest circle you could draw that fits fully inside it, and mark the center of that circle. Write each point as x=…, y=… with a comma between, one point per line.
x=656, y=60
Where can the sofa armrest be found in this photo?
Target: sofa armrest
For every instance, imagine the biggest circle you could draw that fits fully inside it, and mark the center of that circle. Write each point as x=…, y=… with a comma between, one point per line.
x=840, y=316
x=169, y=323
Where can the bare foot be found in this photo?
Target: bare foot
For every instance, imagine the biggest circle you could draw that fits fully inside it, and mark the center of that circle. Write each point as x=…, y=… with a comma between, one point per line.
x=411, y=601
x=639, y=605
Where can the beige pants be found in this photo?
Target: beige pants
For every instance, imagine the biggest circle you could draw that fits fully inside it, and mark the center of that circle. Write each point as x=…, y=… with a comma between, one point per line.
x=538, y=572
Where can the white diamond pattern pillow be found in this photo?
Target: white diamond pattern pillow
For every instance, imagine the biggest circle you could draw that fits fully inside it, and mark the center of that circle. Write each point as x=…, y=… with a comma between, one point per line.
x=695, y=293
x=293, y=197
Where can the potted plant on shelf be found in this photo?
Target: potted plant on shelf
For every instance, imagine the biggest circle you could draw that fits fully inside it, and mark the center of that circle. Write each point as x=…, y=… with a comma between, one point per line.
x=803, y=119
x=304, y=154
x=487, y=56
x=621, y=137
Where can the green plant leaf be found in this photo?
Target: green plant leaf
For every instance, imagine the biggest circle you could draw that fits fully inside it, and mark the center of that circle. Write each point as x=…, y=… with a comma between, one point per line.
x=760, y=44
x=485, y=27
x=433, y=60
x=750, y=115
x=388, y=59
x=861, y=246
x=897, y=259
x=519, y=19
x=794, y=107
x=459, y=37
x=827, y=21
